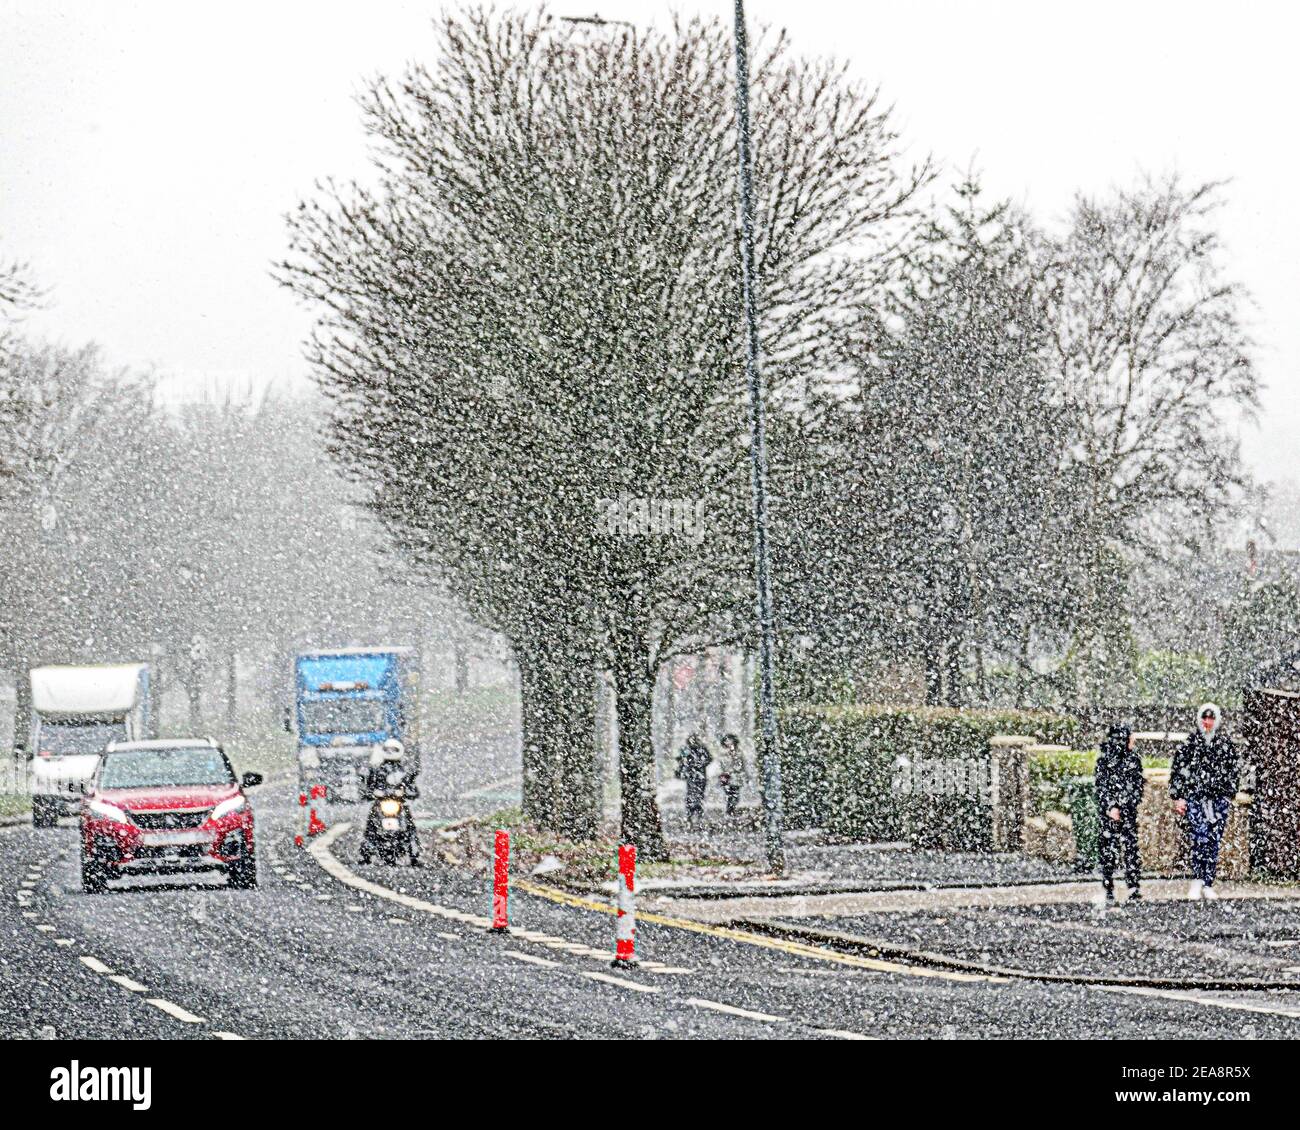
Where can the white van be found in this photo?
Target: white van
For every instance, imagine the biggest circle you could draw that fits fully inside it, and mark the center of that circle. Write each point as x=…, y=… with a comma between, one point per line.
x=76, y=712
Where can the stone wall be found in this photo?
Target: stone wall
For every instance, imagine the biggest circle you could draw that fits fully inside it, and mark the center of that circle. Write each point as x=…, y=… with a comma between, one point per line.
x=1009, y=781
x=1162, y=836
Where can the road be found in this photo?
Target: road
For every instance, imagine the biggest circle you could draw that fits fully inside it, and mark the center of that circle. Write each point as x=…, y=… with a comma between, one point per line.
x=326, y=948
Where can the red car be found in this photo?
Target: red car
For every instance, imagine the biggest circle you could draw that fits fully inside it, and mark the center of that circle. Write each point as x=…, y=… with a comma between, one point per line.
x=165, y=808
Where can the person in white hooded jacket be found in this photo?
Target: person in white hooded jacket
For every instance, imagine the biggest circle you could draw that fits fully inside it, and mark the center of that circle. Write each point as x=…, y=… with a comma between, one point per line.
x=1202, y=782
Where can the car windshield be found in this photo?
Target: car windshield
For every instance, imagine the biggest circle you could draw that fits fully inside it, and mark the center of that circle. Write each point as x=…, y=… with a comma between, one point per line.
x=343, y=716
x=58, y=739
x=156, y=768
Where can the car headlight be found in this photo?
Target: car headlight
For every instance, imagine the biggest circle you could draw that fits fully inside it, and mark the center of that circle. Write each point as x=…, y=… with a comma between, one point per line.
x=106, y=811
x=390, y=807
x=226, y=807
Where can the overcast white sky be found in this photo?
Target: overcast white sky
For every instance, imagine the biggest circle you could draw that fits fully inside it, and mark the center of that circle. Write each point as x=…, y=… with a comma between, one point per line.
x=149, y=150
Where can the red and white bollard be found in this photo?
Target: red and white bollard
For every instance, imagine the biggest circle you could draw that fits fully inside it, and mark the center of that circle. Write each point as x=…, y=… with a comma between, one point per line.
x=312, y=825
x=625, y=927
x=315, y=825
x=501, y=884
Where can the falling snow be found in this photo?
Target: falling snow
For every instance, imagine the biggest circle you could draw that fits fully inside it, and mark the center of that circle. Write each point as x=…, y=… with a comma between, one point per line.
x=446, y=662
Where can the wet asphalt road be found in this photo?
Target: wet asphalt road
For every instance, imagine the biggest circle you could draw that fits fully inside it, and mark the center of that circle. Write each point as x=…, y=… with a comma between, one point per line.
x=309, y=955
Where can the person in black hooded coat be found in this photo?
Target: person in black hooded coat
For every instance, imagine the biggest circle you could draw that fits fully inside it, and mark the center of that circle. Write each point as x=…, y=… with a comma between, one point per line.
x=1202, y=782
x=693, y=768
x=1119, y=784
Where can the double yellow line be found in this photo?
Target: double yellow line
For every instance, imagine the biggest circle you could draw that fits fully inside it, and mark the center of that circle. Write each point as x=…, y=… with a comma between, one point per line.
x=745, y=937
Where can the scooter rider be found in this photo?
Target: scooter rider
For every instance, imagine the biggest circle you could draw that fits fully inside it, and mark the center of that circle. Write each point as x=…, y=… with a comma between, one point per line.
x=385, y=759
x=385, y=774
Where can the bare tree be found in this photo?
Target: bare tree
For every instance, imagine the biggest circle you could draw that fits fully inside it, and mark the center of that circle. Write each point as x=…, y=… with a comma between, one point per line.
x=59, y=411
x=18, y=289
x=1149, y=350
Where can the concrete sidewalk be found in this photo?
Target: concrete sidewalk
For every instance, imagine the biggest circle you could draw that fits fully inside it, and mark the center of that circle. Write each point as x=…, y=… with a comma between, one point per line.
x=815, y=863
x=1250, y=938
x=997, y=914
x=935, y=899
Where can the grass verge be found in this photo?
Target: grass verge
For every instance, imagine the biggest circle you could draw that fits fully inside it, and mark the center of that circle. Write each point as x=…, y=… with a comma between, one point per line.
x=582, y=865
x=14, y=804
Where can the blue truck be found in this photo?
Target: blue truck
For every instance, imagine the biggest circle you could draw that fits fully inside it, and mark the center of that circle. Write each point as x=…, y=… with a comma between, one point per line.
x=348, y=701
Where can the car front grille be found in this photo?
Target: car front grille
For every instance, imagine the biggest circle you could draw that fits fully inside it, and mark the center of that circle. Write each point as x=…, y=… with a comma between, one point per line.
x=183, y=851
x=170, y=820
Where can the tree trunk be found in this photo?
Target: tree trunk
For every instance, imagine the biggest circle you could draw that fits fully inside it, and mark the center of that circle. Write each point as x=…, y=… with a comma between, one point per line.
x=460, y=661
x=196, y=705
x=194, y=691
x=577, y=777
x=668, y=728
x=932, y=659
x=22, y=704
x=560, y=774
x=283, y=691
x=1086, y=688
x=749, y=697
x=538, y=769
x=232, y=693
x=1022, y=668
x=956, y=696
x=156, y=687
x=720, y=688
x=1087, y=639
x=641, y=823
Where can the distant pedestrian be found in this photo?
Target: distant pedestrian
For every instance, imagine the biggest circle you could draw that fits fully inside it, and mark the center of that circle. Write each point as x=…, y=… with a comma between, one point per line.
x=1119, y=783
x=1202, y=782
x=732, y=777
x=693, y=768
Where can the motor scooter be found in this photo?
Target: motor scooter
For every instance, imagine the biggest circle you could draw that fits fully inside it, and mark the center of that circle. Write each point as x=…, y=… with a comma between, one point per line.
x=390, y=826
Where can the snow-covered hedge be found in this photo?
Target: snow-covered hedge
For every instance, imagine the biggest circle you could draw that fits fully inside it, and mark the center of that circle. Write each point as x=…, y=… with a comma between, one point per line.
x=1050, y=772
x=889, y=773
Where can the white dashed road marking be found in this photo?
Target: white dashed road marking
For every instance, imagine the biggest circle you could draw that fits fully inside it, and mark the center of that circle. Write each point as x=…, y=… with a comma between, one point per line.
x=175, y=1010
x=1196, y=998
x=533, y=959
x=319, y=850
x=731, y=1010
x=94, y=964
x=608, y=980
x=127, y=983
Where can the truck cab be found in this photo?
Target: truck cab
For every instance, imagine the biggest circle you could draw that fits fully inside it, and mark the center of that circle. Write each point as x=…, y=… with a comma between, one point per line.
x=76, y=712
x=348, y=701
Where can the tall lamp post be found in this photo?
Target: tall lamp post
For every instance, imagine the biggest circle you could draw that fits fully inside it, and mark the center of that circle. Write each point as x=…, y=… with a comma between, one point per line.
x=768, y=757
